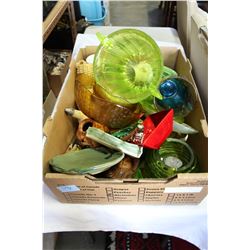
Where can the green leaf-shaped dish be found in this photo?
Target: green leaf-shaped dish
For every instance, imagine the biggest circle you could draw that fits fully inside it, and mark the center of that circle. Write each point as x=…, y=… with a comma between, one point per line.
x=86, y=161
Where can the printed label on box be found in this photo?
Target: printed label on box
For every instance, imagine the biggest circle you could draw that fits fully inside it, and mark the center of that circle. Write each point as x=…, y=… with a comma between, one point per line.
x=183, y=189
x=68, y=188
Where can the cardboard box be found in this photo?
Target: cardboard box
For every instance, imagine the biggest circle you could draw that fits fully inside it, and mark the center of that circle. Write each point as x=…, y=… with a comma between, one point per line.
x=188, y=188
x=48, y=106
x=56, y=81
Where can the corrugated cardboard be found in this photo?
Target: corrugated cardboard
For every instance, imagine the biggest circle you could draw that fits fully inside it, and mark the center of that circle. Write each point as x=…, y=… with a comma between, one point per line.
x=192, y=29
x=48, y=105
x=181, y=189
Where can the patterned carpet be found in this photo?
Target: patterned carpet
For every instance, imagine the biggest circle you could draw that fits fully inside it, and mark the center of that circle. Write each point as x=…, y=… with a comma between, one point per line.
x=139, y=241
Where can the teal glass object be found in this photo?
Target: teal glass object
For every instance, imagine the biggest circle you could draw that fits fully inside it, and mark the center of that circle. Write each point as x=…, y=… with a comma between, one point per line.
x=128, y=64
x=148, y=104
x=177, y=94
x=174, y=156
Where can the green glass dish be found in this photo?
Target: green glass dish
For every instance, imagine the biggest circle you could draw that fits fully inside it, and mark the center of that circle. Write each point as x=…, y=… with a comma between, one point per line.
x=174, y=156
x=128, y=63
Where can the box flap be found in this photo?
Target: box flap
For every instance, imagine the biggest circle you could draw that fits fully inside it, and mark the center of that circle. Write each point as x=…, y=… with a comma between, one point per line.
x=48, y=105
x=47, y=126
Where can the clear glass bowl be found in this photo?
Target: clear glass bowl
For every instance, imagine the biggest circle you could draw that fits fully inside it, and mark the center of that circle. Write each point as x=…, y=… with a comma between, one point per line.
x=128, y=63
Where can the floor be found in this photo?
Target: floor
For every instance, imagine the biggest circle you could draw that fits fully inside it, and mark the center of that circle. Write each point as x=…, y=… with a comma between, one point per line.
x=80, y=241
x=129, y=13
x=139, y=13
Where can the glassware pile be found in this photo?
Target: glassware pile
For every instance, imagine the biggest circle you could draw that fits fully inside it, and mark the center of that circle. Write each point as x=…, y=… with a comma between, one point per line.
x=130, y=109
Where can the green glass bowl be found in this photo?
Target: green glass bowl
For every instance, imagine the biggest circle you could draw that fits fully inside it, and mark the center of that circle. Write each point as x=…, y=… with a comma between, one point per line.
x=174, y=156
x=128, y=63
